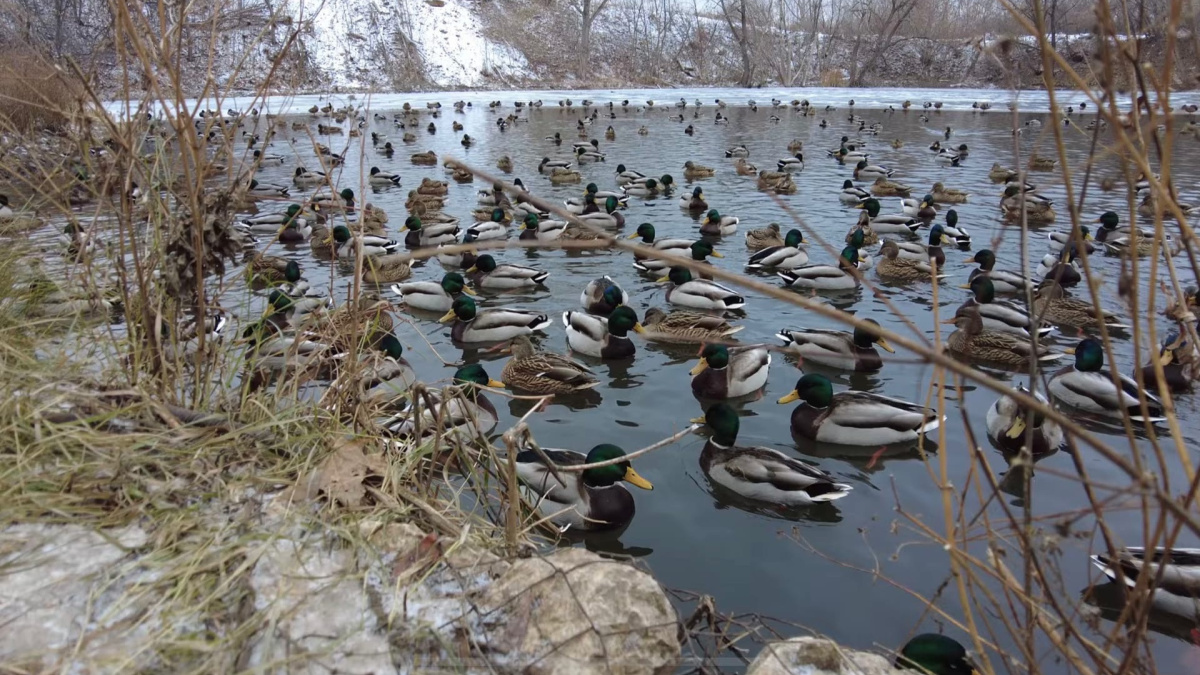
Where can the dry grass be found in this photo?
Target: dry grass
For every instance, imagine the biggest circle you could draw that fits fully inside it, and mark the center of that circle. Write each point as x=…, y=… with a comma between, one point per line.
x=34, y=95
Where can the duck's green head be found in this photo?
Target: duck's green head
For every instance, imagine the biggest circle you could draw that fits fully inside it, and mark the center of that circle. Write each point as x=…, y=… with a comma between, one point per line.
x=591, y=189
x=453, y=283
x=1089, y=355
x=850, y=256
x=462, y=309
x=936, y=655
x=645, y=231
x=347, y=196
x=927, y=200
x=622, y=320
x=374, y=170
x=795, y=237
x=871, y=206
x=862, y=164
x=1109, y=220
x=341, y=234
x=476, y=375
x=857, y=238
x=651, y=184
x=952, y=218
x=724, y=422
x=531, y=221
x=983, y=289
x=937, y=235
x=484, y=263
x=711, y=356
x=703, y=249
x=985, y=258
x=497, y=215
x=278, y=301
x=390, y=346
x=698, y=193
x=412, y=223
x=614, y=297
x=611, y=204
x=865, y=336
x=666, y=181
x=847, y=184
x=678, y=276
x=1011, y=190
x=293, y=210
x=621, y=168
x=291, y=271
x=713, y=216
x=815, y=390
x=612, y=474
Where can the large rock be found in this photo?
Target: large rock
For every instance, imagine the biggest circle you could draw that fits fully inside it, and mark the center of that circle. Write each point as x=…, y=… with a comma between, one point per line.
x=575, y=612
x=818, y=656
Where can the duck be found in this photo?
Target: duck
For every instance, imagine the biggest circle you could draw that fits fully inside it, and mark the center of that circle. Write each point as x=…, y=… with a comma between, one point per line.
x=601, y=296
x=686, y=326
x=492, y=276
x=794, y=163
x=588, y=500
x=761, y=474
x=427, y=157
x=856, y=418
x=348, y=244
x=494, y=228
x=421, y=235
x=725, y=372
x=694, y=202
x=1007, y=425
x=1179, y=360
x=600, y=337
x=327, y=200
x=737, y=151
x=490, y=325
x=926, y=252
x=786, y=256
x=626, y=176
x=305, y=178
x=270, y=224
x=647, y=233
x=609, y=219
x=1003, y=281
x=561, y=176
x=272, y=269
x=505, y=164
x=1037, y=211
x=694, y=170
x=838, y=277
x=852, y=195
x=862, y=235
x=1086, y=387
x=716, y=224
x=432, y=296
x=1138, y=243
x=382, y=178
x=548, y=165
x=1061, y=268
x=883, y=187
x=864, y=171
x=1003, y=317
x=542, y=372
x=1000, y=174
x=464, y=417
x=839, y=349
x=547, y=230
x=383, y=373
x=972, y=342
x=647, y=188
x=386, y=269
x=1051, y=303
x=699, y=293
x=256, y=189
x=934, y=653
x=848, y=155
x=435, y=188
x=893, y=267
x=944, y=195
x=1041, y=163
x=796, y=145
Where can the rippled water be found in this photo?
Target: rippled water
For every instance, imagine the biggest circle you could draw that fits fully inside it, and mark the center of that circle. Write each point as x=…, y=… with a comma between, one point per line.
x=691, y=537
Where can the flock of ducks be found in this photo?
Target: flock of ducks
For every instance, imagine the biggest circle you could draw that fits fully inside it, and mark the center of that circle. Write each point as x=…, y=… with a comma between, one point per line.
x=906, y=247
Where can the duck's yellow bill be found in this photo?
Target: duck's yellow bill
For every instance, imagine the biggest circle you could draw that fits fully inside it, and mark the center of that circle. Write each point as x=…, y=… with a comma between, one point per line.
x=1069, y=350
x=662, y=280
x=448, y=316
x=699, y=367
x=793, y=396
x=635, y=235
x=859, y=205
x=717, y=254
x=1166, y=357
x=883, y=344
x=468, y=291
x=950, y=322
x=1017, y=428
x=698, y=420
x=495, y=384
x=966, y=286
x=633, y=478
x=639, y=328
x=473, y=269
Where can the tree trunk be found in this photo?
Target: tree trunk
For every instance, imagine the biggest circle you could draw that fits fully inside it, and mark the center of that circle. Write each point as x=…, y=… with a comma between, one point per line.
x=585, y=36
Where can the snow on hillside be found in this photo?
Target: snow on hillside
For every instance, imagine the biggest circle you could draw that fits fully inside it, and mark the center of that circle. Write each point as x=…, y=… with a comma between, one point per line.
x=456, y=53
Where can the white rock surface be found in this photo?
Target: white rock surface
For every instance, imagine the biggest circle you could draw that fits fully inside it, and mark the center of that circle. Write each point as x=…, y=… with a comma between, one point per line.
x=818, y=656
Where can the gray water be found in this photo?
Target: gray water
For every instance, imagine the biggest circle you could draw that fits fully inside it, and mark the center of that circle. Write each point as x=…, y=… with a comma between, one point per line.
x=752, y=559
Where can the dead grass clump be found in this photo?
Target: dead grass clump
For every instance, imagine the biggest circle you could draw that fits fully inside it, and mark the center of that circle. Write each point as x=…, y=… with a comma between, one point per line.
x=833, y=78
x=33, y=93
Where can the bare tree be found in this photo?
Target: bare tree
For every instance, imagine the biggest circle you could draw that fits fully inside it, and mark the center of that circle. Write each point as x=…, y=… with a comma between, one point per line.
x=741, y=35
x=588, y=11
x=879, y=23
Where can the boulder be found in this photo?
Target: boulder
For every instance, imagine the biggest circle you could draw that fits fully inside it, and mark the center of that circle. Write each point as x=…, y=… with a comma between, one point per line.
x=818, y=656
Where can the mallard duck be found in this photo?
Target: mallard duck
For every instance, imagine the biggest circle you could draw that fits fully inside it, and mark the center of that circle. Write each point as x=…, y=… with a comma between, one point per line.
x=855, y=417
x=490, y=325
x=321, y=242
x=838, y=348
x=432, y=296
x=626, y=176
x=1061, y=268
x=383, y=373
x=348, y=244
x=272, y=269
x=932, y=251
x=686, y=326
x=716, y=224
x=464, y=417
x=1037, y=210
x=944, y=195
x=269, y=348
x=542, y=230
x=852, y=195
x=672, y=246
x=427, y=157
x=305, y=178
x=764, y=237
x=744, y=168
x=548, y=165
x=602, y=296
x=421, y=235
x=544, y=372
x=999, y=174
x=588, y=500
x=836, y=277
x=694, y=202
x=864, y=171
x=432, y=188
x=737, y=151
x=610, y=219
x=883, y=187
x=600, y=337
x=1006, y=425
x=862, y=234
x=1085, y=387
x=796, y=145
x=789, y=255
x=794, y=163
x=848, y=155
x=1003, y=281
x=890, y=224
x=493, y=229
x=270, y=224
x=1138, y=243
x=1180, y=361
x=1050, y=302
x=935, y=654
x=1041, y=163
x=490, y=275
x=893, y=267
x=505, y=164
x=693, y=170
x=971, y=341
x=956, y=232
x=382, y=178
x=779, y=182
x=699, y=293
x=725, y=372
x=1004, y=317
x=386, y=269
x=761, y=474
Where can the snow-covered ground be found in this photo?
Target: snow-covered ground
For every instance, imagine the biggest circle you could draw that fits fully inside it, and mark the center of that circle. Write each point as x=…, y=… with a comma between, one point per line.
x=456, y=53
